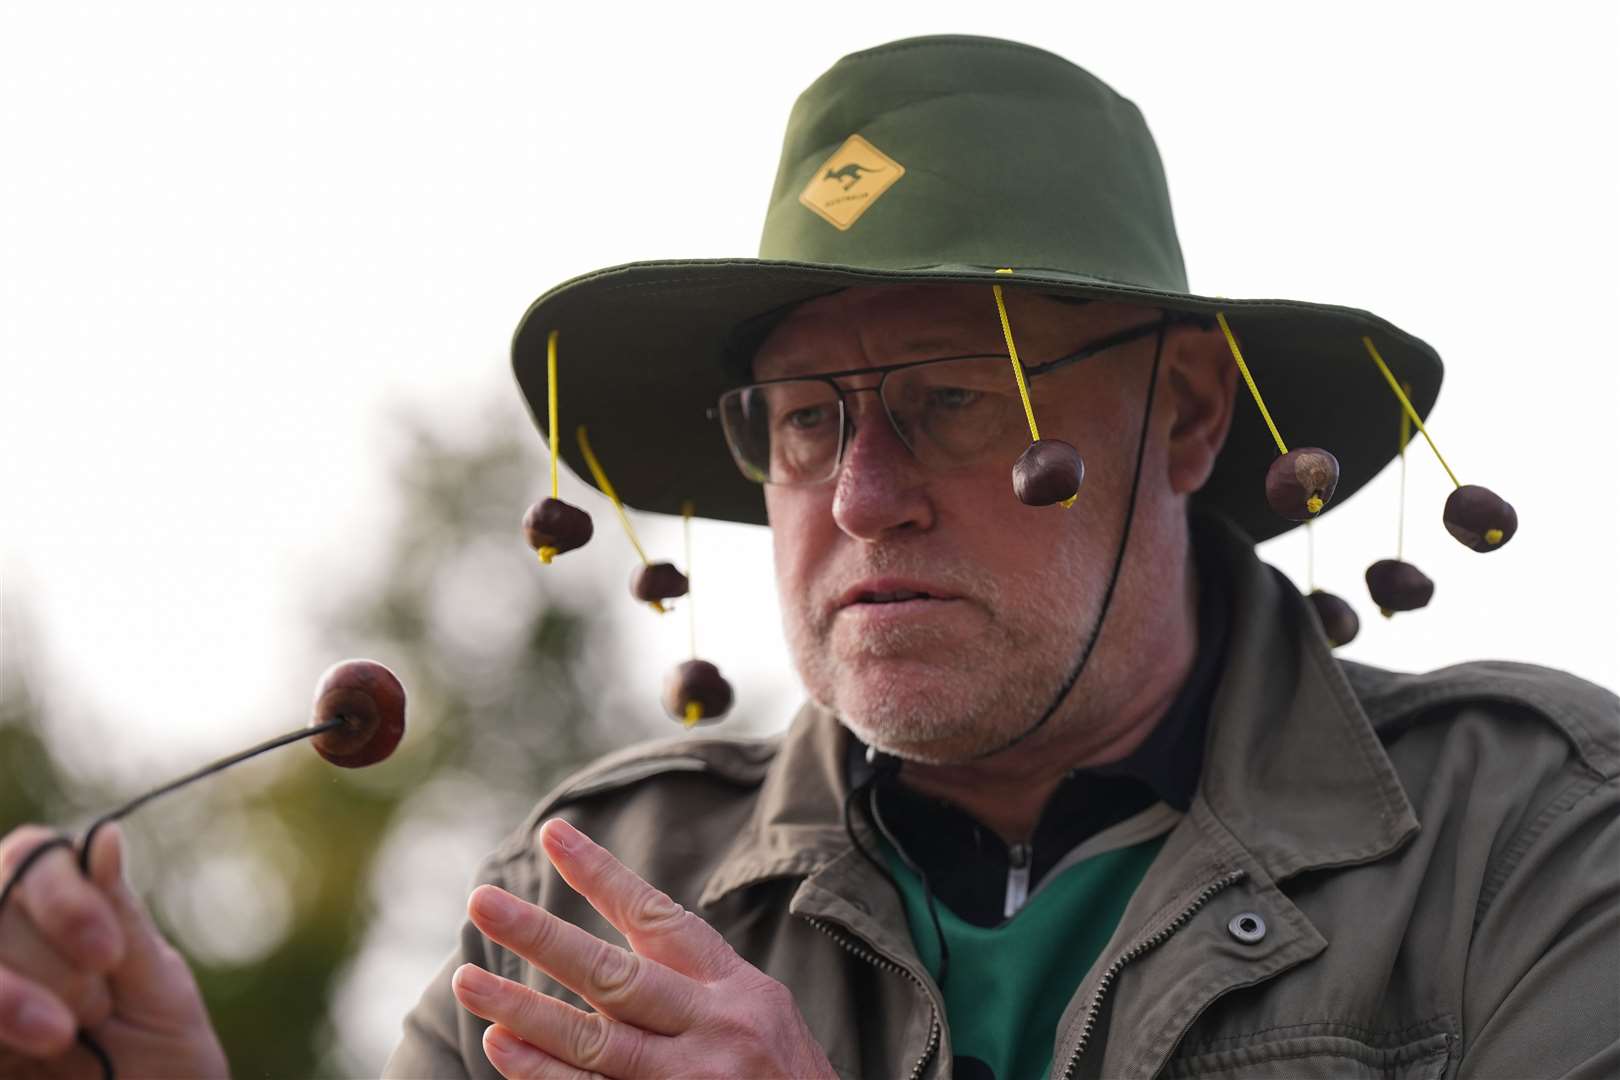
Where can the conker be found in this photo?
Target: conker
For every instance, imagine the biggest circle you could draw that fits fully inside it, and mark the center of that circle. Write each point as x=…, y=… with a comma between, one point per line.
x=552, y=527
x=696, y=691
x=1301, y=482
x=1339, y=620
x=655, y=582
x=1048, y=472
x=371, y=703
x=1398, y=586
x=1480, y=518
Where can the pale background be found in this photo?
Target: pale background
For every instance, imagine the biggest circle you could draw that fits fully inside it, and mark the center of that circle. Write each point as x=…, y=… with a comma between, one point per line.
x=234, y=239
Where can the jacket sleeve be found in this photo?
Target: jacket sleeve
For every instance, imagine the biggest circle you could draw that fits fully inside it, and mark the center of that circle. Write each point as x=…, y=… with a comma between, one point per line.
x=1543, y=989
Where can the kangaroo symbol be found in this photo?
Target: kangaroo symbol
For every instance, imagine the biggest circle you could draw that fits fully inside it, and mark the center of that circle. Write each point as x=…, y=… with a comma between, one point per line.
x=850, y=174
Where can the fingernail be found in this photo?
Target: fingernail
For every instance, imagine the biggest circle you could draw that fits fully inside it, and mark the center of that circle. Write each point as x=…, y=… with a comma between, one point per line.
x=97, y=942
x=497, y=905
x=499, y=1040
x=38, y=1022
x=563, y=835
x=474, y=981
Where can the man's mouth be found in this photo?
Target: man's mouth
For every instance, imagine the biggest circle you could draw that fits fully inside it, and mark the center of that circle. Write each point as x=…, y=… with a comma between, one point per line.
x=894, y=597
x=880, y=592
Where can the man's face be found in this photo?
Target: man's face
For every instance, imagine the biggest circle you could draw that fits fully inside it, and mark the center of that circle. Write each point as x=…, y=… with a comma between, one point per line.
x=936, y=613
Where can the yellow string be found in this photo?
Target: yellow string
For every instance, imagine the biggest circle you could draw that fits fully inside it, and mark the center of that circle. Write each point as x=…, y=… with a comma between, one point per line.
x=687, y=510
x=547, y=553
x=1220, y=317
x=1417, y=420
x=607, y=489
x=1400, y=520
x=1012, y=352
x=1018, y=373
x=551, y=403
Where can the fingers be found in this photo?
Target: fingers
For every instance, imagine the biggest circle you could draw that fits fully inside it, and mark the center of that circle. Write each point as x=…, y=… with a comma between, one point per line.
x=635, y=989
x=536, y=1035
x=71, y=912
x=655, y=925
x=26, y=954
x=32, y=1019
x=517, y=1060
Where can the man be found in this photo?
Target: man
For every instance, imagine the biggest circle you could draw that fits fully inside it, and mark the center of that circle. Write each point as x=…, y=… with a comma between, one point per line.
x=1082, y=790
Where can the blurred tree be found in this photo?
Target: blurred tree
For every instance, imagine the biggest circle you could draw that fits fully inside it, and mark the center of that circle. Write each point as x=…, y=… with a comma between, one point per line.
x=299, y=886
x=37, y=786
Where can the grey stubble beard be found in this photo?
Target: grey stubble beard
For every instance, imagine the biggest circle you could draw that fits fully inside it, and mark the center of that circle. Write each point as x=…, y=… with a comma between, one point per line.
x=961, y=698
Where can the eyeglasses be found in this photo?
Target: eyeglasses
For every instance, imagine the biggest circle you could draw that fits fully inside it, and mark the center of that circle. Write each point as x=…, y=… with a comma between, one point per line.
x=949, y=411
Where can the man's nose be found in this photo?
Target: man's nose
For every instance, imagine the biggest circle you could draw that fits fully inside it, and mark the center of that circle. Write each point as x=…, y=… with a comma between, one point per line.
x=881, y=489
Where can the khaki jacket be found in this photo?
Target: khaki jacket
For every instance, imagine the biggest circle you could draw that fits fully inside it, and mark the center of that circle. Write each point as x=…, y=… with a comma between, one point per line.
x=1381, y=875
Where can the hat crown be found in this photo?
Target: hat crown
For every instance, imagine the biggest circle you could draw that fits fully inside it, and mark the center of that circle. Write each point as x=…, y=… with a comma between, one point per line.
x=989, y=153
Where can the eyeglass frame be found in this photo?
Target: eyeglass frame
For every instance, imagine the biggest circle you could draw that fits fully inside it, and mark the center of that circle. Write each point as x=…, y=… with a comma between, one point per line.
x=1164, y=322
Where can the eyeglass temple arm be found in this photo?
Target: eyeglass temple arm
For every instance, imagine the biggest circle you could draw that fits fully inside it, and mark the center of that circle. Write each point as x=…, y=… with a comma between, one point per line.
x=1123, y=337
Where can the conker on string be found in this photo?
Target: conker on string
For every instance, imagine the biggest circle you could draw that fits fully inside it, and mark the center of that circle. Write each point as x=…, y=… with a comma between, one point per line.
x=1339, y=620
x=696, y=691
x=1048, y=472
x=552, y=527
x=1301, y=482
x=371, y=703
x=1480, y=518
x=657, y=581
x=1398, y=586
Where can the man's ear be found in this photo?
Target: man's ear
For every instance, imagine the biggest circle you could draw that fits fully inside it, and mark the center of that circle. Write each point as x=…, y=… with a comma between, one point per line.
x=1200, y=381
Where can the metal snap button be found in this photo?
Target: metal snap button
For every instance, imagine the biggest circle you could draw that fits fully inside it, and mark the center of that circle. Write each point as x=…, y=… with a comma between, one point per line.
x=1248, y=927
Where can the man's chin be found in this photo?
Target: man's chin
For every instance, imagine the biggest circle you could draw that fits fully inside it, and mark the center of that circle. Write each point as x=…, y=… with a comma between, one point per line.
x=915, y=711
x=925, y=744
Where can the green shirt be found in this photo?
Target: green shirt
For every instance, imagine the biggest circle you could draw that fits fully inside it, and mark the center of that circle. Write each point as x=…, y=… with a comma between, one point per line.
x=1008, y=985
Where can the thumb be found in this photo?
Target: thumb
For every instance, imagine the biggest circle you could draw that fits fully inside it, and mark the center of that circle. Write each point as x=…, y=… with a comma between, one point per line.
x=107, y=856
x=152, y=978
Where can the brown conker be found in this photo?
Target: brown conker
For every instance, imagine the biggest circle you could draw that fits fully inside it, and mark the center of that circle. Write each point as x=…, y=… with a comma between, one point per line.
x=1301, y=482
x=370, y=701
x=1398, y=586
x=1048, y=471
x=1339, y=620
x=653, y=582
x=552, y=527
x=1480, y=518
x=696, y=691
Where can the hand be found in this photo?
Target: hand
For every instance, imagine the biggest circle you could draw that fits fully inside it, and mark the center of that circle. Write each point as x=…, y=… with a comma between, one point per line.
x=682, y=1003
x=82, y=952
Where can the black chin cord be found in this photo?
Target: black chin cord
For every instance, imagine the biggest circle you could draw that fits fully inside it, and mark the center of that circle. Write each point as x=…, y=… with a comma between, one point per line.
x=62, y=840
x=1113, y=576
x=886, y=768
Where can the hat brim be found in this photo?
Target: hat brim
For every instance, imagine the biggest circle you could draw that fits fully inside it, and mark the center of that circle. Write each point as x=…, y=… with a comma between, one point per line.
x=642, y=351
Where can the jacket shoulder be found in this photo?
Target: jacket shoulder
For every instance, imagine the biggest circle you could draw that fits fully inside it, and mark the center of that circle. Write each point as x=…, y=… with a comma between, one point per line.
x=730, y=761
x=1585, y=714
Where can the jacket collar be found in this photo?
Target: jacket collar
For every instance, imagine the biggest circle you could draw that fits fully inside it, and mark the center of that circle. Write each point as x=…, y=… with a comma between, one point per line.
x=1293, y=770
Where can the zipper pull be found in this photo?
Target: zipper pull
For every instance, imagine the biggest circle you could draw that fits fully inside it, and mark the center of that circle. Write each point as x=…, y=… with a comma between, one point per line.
x=1017, y=880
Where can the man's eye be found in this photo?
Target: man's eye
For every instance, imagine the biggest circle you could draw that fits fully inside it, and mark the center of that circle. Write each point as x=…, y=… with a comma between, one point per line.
x=953, y=397
x=806, y=419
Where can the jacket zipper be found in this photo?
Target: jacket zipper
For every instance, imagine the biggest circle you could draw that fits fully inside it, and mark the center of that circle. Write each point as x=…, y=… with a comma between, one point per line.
x=1019, y=857
x=889, y=965
x=1135, y=952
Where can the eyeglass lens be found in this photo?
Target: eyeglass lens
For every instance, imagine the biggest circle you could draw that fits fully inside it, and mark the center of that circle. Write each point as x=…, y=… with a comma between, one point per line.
x=949, y=413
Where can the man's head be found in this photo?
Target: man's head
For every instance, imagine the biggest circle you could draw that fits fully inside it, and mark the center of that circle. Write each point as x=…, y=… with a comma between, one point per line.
x=1011, y=591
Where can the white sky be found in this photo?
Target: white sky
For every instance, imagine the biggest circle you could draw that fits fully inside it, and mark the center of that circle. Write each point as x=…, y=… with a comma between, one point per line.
x=230, y=239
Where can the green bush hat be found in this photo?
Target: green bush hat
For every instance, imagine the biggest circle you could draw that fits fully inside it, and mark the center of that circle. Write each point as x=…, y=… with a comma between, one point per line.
x=944, y=159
